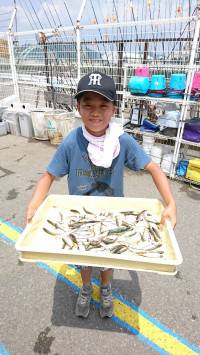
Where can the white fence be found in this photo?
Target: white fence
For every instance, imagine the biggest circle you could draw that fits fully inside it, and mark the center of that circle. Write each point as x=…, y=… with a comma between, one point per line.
x=44, y=66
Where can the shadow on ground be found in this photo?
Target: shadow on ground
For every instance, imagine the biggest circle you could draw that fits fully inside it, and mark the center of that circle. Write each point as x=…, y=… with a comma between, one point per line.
x=65, y=298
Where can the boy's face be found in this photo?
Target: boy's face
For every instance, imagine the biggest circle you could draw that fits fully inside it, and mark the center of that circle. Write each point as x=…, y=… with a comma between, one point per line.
x=96, y=112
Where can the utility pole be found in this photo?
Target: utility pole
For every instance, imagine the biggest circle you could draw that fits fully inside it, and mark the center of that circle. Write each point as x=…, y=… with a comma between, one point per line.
x=15, y=7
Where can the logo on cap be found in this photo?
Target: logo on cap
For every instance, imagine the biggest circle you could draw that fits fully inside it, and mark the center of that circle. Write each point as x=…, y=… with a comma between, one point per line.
x=95, y=79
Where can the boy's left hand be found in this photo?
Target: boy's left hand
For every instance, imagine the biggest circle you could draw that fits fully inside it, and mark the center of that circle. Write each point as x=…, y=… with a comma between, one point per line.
x=169, y=213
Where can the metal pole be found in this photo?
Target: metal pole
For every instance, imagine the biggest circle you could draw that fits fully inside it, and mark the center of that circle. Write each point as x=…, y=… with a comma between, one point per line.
x=78, y=44
x=119, y=73
x=12, y=56
x=81, y=11
x=186, y=99
x=78, y=39
x=124, y=94
x=112, y=25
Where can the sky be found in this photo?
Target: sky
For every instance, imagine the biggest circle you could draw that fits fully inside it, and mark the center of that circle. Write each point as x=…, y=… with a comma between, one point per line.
x=37, y=14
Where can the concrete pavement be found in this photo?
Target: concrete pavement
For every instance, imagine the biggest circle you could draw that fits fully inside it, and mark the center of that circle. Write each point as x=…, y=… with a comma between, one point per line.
x=36, y=307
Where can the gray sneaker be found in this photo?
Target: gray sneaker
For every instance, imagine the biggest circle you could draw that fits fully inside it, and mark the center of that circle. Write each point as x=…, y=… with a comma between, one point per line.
x=106, y=303
x=83, y=302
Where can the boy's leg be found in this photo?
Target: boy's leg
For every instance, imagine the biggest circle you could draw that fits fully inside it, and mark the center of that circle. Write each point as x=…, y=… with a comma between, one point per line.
x=86, y=273
x=83, y=301
x=106, y=300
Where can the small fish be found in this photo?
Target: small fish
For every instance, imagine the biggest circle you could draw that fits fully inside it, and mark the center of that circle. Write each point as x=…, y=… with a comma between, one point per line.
x=56, y=225
x=109, y=239
x=68, y=241
x=90, y=247
x=118, y=230
x=157, y=234
x=88, y=212
x=49, y=232
x=158, y=254
x=127, y=213
x=75, y=211
x=61, y=217
x=136, y=232
x=95, y=242
x=148, y=247
x=141, y=215
x=118, y=249
x=119, y=220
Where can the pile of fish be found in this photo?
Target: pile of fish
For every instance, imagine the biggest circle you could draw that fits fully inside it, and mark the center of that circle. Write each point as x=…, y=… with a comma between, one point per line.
x=121, y=232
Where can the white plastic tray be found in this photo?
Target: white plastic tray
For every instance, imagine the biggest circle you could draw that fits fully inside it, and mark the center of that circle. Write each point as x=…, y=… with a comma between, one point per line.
x=33, y=247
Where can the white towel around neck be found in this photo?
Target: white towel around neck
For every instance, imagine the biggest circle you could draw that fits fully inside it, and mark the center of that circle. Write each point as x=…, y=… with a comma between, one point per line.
x=102, y=150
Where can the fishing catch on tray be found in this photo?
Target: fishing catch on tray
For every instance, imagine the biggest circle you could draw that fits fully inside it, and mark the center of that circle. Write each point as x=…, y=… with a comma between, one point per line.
x=126, y=231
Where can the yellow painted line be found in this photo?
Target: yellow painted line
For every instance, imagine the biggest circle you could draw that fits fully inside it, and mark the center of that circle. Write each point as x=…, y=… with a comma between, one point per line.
x=9, y=232
x=149, y=330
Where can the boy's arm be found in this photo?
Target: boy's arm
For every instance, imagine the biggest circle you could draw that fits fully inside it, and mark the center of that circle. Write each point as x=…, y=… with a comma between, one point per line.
x=163, y=187
x=39, y=194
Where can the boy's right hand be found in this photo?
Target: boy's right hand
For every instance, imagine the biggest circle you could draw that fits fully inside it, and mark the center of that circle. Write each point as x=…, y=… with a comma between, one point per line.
x=30, y=213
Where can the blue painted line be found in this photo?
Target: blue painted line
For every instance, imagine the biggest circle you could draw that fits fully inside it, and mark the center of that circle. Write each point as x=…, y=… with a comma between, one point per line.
x=13, y=226
x=6, y=239
x=3, y=350
x=152, y=320
x=139, y=335
x=114, y=318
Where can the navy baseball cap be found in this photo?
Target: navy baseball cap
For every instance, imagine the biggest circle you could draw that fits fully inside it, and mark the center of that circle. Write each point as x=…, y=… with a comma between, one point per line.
x=97, y=82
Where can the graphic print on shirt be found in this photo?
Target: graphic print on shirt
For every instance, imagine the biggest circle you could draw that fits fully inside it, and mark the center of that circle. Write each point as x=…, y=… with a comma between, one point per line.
x=96, y=172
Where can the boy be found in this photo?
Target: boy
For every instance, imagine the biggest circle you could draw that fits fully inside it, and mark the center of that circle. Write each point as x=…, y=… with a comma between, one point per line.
x=93, y=156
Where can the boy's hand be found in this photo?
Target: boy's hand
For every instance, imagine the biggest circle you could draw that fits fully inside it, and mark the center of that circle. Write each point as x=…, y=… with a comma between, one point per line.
x=39, y=195
x=30, y=213
x=169, y=213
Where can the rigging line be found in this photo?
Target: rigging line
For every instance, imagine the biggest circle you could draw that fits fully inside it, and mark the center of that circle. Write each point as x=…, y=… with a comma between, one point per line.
x=172, y=33
x=189, y=14
x=181, y=34
x=49, y=8
x=156, y=31
x=120, y=56
x=136, y=32
x=56, y=13
x=35, y=13
x=117, y=18
x=45, y=14
x=126, y=28
x=25, y=12
x=163, y=43
x=30, y=12
x=160, y=27
x=58, y=18
x=110, y=44
x=150, y=15
x=70, y=18
x=141, y=34
x=100, y=36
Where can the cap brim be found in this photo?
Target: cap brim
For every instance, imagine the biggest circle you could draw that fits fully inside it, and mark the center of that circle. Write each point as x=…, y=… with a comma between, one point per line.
x=96, y=91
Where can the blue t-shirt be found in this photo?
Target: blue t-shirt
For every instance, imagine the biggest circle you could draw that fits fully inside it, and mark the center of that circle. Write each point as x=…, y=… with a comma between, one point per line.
x=84, y=178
